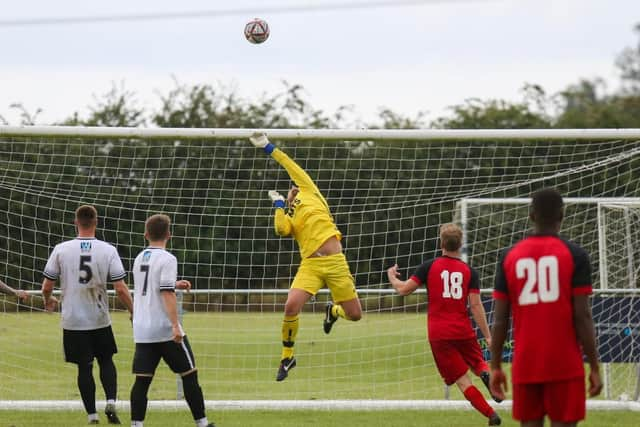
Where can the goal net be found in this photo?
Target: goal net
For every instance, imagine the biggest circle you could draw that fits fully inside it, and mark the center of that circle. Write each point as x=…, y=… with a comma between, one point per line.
x=388, y=191
x=608, y=228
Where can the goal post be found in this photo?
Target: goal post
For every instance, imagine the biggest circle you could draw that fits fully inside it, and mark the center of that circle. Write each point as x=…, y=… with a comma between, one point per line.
x=609, y=227
x=388, y=190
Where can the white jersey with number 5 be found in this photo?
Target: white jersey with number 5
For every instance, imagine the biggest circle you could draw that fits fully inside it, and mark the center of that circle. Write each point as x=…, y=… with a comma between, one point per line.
x=154, y=271
x=84, y=266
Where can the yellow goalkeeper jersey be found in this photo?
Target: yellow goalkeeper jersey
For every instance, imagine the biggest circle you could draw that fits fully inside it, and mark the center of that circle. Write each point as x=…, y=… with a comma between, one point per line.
x=308, y=219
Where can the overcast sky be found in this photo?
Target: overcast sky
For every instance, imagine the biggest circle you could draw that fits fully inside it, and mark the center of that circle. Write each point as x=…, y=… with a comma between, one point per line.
x=421, y=57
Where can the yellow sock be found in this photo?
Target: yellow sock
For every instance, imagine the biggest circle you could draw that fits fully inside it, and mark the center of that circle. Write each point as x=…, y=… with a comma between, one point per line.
x=289, y=331
x=338, y=311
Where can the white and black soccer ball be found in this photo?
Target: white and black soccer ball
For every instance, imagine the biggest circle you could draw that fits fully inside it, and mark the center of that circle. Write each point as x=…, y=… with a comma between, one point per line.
x=256, y=31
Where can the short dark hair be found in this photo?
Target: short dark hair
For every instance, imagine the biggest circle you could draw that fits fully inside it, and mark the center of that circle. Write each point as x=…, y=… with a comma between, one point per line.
x=450, y=237
x=86, y=216
x=547, y=207
x=157, y=227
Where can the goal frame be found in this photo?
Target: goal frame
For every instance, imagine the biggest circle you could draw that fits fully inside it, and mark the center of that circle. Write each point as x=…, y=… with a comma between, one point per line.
x=426, y=135
x=462, y=206
x=324, y=134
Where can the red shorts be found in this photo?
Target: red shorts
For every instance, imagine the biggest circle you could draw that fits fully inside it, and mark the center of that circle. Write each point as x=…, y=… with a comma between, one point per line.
x=455, y=357
x=562, y=401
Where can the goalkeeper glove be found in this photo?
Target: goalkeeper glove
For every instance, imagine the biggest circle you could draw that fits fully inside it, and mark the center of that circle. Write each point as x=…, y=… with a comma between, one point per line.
x=260, y=140
x=277, y=198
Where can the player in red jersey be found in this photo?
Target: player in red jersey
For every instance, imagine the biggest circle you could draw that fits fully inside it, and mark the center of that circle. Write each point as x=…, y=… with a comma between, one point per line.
x=450, y=284
x=545, y=281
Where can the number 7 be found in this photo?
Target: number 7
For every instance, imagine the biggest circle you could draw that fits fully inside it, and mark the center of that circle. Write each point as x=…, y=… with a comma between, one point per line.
x=145, y=269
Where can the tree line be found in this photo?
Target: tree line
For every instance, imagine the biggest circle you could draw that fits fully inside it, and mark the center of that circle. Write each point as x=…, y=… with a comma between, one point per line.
x=387, y=205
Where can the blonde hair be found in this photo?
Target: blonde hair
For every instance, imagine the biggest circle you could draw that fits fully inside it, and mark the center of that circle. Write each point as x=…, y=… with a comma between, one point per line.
x=450, y=237
x=157, y=227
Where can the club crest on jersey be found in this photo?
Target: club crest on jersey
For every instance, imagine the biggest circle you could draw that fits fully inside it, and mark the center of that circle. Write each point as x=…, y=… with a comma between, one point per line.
x=146, y=256
x=85, y=246
x=292, y=207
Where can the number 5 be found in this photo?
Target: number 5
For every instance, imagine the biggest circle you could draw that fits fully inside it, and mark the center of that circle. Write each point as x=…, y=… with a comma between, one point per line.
x=88, y=274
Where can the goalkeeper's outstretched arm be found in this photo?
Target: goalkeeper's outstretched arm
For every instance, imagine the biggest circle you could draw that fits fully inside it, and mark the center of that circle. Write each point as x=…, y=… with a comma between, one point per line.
x=296, y=173
x=282, y=221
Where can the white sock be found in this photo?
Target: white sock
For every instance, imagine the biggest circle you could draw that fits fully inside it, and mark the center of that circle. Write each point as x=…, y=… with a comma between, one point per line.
x=136, y=424
x=111, y=402
x=92, y=417
x=202, y=422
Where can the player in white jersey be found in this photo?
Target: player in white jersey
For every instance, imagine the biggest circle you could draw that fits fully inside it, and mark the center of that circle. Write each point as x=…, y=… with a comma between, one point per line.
x=84, y=266
x=156, y=329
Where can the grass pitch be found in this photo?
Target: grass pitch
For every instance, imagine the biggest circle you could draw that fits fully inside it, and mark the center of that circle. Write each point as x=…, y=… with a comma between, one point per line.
x=304, y=419
x=384, y=356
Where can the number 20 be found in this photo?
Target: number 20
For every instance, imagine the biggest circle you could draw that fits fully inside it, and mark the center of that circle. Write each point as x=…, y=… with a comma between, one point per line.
x=544, y=274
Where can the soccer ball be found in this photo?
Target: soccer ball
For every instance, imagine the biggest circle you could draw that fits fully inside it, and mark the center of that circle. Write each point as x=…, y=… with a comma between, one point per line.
x=256, y=31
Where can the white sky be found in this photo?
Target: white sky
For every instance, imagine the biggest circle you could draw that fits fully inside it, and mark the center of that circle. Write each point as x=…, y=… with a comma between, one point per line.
x=407, y=58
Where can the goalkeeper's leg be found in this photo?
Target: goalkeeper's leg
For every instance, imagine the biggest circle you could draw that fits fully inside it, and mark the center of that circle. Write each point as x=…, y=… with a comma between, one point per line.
x=343, y=291
x=290, y=324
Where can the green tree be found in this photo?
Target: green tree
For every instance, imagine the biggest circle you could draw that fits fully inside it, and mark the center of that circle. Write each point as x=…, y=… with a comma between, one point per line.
x=115, y=108
x=499, y=114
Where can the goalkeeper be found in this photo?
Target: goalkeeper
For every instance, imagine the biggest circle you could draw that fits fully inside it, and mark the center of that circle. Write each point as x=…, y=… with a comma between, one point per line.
x=308, y=219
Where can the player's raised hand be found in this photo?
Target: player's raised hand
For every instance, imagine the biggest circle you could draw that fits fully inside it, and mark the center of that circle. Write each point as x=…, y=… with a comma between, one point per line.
x=595, y=383
x=52, y=304
x=277, y=199
x=393, y=273
x=498, y=383
x=184, y=285
x=259, y=139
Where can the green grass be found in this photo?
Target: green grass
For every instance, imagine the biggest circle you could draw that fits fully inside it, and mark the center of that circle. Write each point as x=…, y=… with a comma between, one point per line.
x=380, y=357
x=384, y=356
x=305, y=419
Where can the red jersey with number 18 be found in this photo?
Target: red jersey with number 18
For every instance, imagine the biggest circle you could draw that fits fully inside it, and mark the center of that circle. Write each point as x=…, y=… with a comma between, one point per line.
x=449, y=281
x=539, y=276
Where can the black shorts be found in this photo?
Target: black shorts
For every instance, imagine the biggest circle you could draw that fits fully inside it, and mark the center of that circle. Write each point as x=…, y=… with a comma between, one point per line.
x=81, y=347
x=178, y=356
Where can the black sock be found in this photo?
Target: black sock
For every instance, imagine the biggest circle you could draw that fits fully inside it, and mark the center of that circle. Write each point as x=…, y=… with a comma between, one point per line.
x=193, y=395
x=139, y=397
x=108, y=377
x=87, y=387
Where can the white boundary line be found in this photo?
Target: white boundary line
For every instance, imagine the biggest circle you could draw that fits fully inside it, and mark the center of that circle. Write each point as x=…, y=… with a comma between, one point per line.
x=295, y=405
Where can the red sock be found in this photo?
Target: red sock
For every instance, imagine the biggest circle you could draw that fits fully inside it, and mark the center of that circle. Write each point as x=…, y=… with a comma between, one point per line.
x=476, y=398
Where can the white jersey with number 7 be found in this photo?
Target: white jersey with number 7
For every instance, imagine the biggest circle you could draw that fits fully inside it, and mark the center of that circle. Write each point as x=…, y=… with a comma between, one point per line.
x=154, y=270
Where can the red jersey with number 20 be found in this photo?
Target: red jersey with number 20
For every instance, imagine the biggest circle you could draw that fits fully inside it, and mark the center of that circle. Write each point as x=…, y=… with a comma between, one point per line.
x=449, y=282
x=539, y=276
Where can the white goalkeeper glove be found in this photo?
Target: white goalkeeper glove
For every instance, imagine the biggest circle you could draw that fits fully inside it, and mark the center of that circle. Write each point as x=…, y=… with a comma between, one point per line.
x=260, y=140
x=277, y=199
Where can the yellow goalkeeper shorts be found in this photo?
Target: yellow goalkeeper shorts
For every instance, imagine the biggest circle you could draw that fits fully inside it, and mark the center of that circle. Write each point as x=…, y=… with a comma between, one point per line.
x=331, y=271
